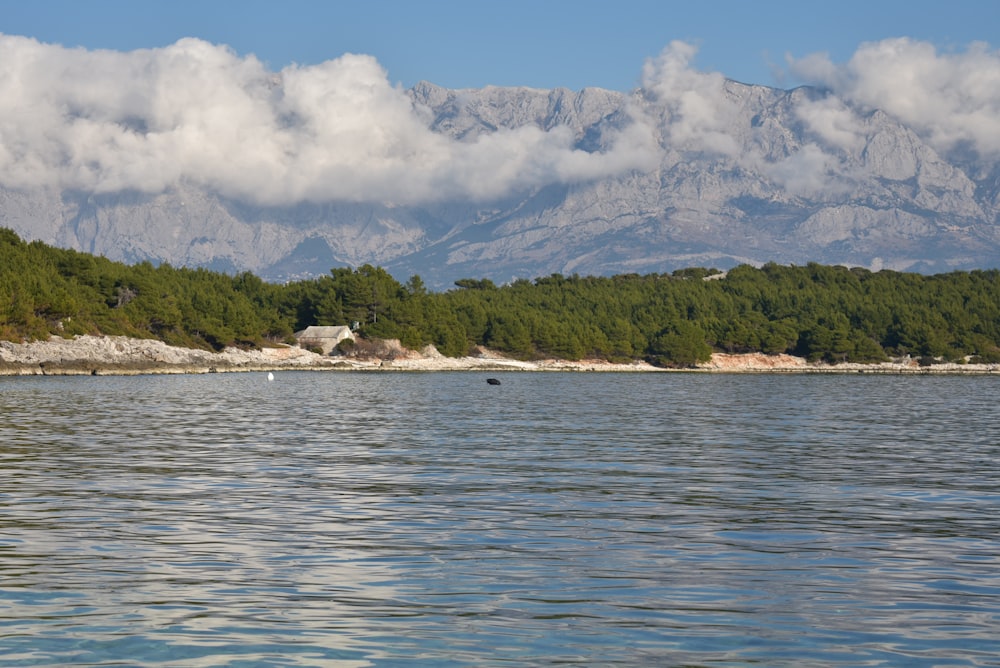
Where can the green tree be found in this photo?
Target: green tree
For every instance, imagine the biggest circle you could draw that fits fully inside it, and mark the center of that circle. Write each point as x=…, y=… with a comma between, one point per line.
x=681, y=345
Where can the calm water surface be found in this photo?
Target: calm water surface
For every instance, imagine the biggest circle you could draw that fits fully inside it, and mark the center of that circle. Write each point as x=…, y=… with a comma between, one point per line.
x=342, y=519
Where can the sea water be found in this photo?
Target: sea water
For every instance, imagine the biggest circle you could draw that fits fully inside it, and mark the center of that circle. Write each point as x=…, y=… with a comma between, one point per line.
x=391, y=519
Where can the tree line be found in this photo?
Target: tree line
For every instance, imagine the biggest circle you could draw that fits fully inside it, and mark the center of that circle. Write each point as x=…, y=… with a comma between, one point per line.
x=820, y=312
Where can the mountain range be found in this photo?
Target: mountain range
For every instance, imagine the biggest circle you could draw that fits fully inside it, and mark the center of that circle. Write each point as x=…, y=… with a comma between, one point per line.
x=738, y=174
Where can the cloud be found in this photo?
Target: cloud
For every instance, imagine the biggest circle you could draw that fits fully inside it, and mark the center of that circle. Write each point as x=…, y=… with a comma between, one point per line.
x=699, y=115
x=833, y=122
x=195, y=112
x=810, y=172
x=951, y=99
x=148, y=120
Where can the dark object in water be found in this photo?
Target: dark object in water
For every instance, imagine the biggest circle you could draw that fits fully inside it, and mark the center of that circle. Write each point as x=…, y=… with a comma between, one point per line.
x=492, y=381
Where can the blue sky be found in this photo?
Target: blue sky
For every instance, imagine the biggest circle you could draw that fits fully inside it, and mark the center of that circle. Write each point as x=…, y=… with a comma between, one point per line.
x=537, y=43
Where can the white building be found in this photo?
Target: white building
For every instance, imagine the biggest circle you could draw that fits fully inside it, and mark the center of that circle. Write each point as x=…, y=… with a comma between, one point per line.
x=324, y=338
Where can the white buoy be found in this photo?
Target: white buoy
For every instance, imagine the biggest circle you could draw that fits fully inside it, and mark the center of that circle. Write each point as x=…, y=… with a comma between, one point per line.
x=270, y=376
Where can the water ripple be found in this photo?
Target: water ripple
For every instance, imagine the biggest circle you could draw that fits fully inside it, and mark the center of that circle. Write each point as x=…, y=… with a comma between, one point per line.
x=599, y=519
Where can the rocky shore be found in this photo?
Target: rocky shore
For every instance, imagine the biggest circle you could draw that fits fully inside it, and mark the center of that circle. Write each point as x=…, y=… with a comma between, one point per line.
x=119, y=355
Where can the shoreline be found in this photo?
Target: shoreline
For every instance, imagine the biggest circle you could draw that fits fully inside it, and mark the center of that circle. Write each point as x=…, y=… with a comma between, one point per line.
x=124, y=356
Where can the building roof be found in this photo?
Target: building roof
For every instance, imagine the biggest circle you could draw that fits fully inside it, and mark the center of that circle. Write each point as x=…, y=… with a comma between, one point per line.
x=321, y=332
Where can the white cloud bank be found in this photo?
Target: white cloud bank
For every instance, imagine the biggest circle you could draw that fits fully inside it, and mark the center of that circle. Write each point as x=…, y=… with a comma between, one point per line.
x=106, y=121
x=950, y=99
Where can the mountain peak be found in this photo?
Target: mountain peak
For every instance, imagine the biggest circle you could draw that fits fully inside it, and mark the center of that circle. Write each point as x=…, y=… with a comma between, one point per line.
x=709, y=172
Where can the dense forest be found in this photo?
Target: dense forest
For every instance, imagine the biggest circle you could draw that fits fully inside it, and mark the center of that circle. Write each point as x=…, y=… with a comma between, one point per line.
x=819, y=312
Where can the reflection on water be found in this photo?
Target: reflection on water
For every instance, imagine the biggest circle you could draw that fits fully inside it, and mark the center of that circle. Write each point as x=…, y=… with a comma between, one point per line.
x=382, y=519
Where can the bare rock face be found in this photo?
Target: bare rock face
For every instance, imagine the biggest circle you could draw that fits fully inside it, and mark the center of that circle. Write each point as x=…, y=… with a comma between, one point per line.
x=757, y=176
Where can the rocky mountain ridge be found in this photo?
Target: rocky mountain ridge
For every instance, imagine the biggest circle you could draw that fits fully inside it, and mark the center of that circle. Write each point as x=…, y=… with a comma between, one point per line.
x=741, y=174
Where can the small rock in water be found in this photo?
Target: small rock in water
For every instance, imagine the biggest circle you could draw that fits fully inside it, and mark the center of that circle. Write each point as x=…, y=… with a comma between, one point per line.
x=492, y=381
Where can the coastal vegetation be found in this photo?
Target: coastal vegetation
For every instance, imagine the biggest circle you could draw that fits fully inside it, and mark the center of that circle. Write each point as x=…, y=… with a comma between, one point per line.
x=830, y=313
